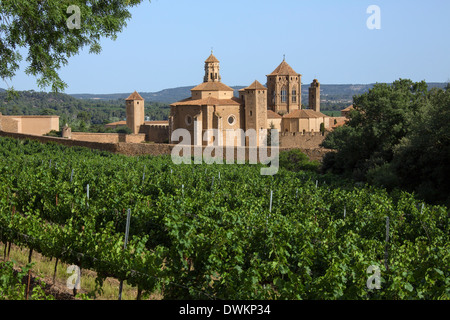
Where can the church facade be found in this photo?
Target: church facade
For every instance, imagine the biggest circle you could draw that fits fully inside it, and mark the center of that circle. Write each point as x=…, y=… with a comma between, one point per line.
x=214, y=115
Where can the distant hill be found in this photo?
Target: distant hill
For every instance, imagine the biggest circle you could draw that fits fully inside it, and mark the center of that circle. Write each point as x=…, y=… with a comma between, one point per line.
x=333, y=96
x=337, y=93
x=172, y=95
x=72, y=110
x=168, y=96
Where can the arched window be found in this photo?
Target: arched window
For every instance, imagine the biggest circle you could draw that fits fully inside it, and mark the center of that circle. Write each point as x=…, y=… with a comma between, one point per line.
x=294, y=94
x=283, y=95
x=188, y=120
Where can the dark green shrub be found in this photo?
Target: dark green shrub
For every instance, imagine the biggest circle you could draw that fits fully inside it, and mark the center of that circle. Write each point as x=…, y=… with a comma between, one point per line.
x=295, y=160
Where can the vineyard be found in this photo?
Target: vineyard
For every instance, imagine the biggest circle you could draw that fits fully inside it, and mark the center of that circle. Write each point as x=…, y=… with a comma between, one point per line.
x=220, y=231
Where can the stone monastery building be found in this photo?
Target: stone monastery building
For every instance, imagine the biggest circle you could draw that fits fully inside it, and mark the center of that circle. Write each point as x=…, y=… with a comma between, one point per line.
x=213, y=105
x=213, y=114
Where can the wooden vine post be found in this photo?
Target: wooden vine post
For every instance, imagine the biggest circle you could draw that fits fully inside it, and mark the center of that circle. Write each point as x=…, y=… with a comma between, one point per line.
x=9, y=244
x=29, y=274
x=386, y=246
x=54, y=272
x=127, y=230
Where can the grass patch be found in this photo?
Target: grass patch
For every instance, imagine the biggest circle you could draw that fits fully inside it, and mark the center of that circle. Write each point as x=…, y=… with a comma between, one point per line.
x=44, y=269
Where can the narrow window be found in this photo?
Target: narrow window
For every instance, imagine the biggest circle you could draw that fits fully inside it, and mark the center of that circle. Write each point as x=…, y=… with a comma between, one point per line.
x=283, y=95
x=188, y=120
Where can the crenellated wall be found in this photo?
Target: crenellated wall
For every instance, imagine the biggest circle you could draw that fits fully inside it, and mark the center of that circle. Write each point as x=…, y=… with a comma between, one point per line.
x=156, y=133
x=307, y=140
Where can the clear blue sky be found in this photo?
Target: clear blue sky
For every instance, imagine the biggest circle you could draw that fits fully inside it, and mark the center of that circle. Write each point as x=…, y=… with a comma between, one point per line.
x=166, y=42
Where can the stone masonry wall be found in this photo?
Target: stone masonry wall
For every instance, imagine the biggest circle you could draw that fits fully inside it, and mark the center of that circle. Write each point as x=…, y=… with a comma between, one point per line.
x=108, y=137
x=156, y=133
x=301, y=140
x=9, y=124
x=136, y=149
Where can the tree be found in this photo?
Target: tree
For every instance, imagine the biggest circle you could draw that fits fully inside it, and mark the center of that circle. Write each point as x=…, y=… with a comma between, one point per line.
x=45, y=28
x=397, y=137
x=84, y=116
x=421, y=160
x=380, y=119
x=47, y=112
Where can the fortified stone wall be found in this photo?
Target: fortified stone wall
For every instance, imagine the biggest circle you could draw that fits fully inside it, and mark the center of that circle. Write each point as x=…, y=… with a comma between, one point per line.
x=36, y=125
x=136, y=149
x=9, y=124
x=111, y=147
x=156, y=133
x=307, y=140
x=108, y=137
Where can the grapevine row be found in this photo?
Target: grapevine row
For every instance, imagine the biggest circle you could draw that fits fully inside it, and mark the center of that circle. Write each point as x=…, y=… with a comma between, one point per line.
x=213, y=229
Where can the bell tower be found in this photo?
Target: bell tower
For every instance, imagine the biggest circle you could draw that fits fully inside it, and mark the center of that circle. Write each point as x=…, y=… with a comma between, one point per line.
x=135, y=112
x=284, y=89
x=212, y=69
x=255, y=99
x=314, y=96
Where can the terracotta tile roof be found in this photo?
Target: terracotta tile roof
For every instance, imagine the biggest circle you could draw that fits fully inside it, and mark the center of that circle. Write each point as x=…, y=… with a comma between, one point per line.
x=348, y=108
x=304, y=113
x=284, y=69
x=156, y=122
x=118, y=123
x=256, y=86
x=124, y=123
x=273, y=115
x=134, y=96
x=210, y=101
x=340, y=121
x=212, y=86
x=211, y=58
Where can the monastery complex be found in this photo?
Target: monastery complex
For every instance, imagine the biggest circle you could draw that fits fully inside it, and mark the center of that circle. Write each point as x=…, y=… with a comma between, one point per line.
x=214, y=105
